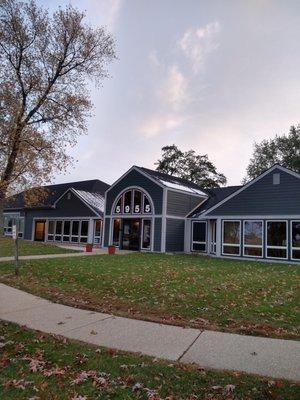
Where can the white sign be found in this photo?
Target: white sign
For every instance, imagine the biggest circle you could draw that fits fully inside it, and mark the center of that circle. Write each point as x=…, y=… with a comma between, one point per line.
x=14, y=232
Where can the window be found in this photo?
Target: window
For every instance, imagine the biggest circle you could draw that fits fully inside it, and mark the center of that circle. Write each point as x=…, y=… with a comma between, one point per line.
x=253, y=238
x=58, y=231
x=137, y=204
x=213, y=244
x=133, y=201
x=51, y=225
x=146, y=234
x=116, y=232
x=199, y=236
x=277, y=239
x=66, y=231
x=13, y=219
x=75, y=231
x=84, y=231
x=97, y=231
x=295, y=239
x=231, y=238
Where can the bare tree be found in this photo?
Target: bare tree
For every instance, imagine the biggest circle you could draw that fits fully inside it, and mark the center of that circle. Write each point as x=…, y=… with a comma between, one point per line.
x=46, y=62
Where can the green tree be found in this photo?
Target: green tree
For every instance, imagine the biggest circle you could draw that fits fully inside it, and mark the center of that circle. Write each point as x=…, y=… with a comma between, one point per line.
x=191, y=166
x=46, y=62
x=283, y=150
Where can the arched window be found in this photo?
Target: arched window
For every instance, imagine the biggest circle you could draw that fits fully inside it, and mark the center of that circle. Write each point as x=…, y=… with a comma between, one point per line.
x=133, y=201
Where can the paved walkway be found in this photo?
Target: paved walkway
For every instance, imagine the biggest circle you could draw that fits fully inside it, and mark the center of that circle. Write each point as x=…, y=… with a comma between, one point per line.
x=80, y=253
x=269, y=357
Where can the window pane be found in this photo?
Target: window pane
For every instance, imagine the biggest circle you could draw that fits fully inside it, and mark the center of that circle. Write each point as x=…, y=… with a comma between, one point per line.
x=75, y=228
x=137, y=202
x=231, y=232
x=51, y=227
x=147, y=206
x=67, y=227
x=276, y=253
x=199, y=231
x=58, y=227
x=296, y=234
x=118, y=208
x=198, y=247
x=253, y=232
x=127, y=202
x=231, y=250
x=296, y=254
x=116, y=232
x=146, y=234
x=252, y=251
x=84, y=228
x=276, y=233
x=98, y=227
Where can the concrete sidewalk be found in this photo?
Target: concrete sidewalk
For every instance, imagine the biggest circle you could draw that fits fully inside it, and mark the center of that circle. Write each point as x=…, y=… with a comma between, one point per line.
x=80, y=253
x=268, y=357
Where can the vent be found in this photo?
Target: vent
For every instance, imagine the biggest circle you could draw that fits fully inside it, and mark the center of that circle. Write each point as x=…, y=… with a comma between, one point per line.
x=276, y=179
x=69, y=196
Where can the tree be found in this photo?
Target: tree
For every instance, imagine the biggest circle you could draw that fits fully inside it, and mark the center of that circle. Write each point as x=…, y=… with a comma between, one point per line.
x=46, y=62
x=191, y=166
x=283, y=150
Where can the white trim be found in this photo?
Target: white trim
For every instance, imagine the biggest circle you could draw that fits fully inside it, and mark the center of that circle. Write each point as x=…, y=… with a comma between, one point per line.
x=195, y=208
x=174, y=217
x=197, y=242
x=277, y=247
x=250, y=245
x=74, y=191
x=134, y=167
x=260, y=216
x=276, y=166
x=291, y=241
x=231, y=244
x=164, y=221
x=182, y=191
x=132, y=188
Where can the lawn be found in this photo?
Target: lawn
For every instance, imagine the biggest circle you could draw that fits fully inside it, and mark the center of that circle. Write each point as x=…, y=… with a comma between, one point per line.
x=27, y=248
x=44, y=367
x=228, y=295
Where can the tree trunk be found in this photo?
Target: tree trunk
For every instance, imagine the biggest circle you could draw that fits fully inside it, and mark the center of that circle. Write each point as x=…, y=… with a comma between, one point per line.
x=2, y=200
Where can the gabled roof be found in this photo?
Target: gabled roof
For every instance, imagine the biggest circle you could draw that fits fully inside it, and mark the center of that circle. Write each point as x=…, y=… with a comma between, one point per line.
x=215, y=196
x=55, y=191
x=174, y=182
x=94, y=200
x=238, y=190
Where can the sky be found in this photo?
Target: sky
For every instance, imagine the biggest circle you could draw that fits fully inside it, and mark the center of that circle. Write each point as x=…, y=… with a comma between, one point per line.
x=212, y=76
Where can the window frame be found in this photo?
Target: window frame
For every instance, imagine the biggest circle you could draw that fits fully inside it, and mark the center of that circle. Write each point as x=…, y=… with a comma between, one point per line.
x=252, y=245
x=291, y=240
x=286, y=247
x=84, y=236
x=196, y=241
x=71, y=231
x=142, y=213
x=142, y=234
x=223, y=244
x=97, y=238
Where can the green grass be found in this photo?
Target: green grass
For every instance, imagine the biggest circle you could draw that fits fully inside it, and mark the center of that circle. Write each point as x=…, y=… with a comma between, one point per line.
x=28, y=248
x=39, y=366
x=229, y=295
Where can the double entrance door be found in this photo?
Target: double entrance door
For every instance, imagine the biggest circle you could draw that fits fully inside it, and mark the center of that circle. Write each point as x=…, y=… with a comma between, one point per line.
x=132, y=233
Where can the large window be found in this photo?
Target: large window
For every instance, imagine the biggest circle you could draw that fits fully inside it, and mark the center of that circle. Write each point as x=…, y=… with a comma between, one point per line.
x=13, y=219
x=66, y=231
x=253, y=238
x=116, y=232
x=231, y=244
x=146, y=234
x=58, y=231
x=75, y=232
x=133, y=201
x=295, y=238
x=277, y=239
x=51, y=228
x=97, y=231
x=84, y=230
x=199, y=236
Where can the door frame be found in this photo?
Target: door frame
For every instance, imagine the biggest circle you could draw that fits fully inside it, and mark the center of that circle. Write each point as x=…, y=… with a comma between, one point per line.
x=44, y=231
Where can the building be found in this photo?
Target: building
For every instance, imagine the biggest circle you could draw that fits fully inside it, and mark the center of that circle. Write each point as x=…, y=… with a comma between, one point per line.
x=69, y=213
x=146, y=210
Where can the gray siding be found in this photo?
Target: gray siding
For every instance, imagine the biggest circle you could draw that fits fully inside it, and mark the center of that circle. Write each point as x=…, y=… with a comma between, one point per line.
x=135, y=178
x=157, y=234
x=180, y=204
x=264, y=198
x=106, y=231
x=73, y=207
x=175, y=234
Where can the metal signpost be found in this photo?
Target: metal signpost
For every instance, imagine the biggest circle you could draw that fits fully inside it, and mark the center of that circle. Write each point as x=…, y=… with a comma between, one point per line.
x=16, y=249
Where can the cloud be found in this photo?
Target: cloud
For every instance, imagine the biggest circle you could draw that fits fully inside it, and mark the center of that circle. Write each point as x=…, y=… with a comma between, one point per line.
x=174, y=91
x=198, y=43
x=160, y=123
x=114, y=7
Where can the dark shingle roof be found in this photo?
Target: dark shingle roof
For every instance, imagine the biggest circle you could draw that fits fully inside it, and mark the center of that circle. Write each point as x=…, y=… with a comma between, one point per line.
x=55, y=191
x=162, y=177
x=215, y=196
